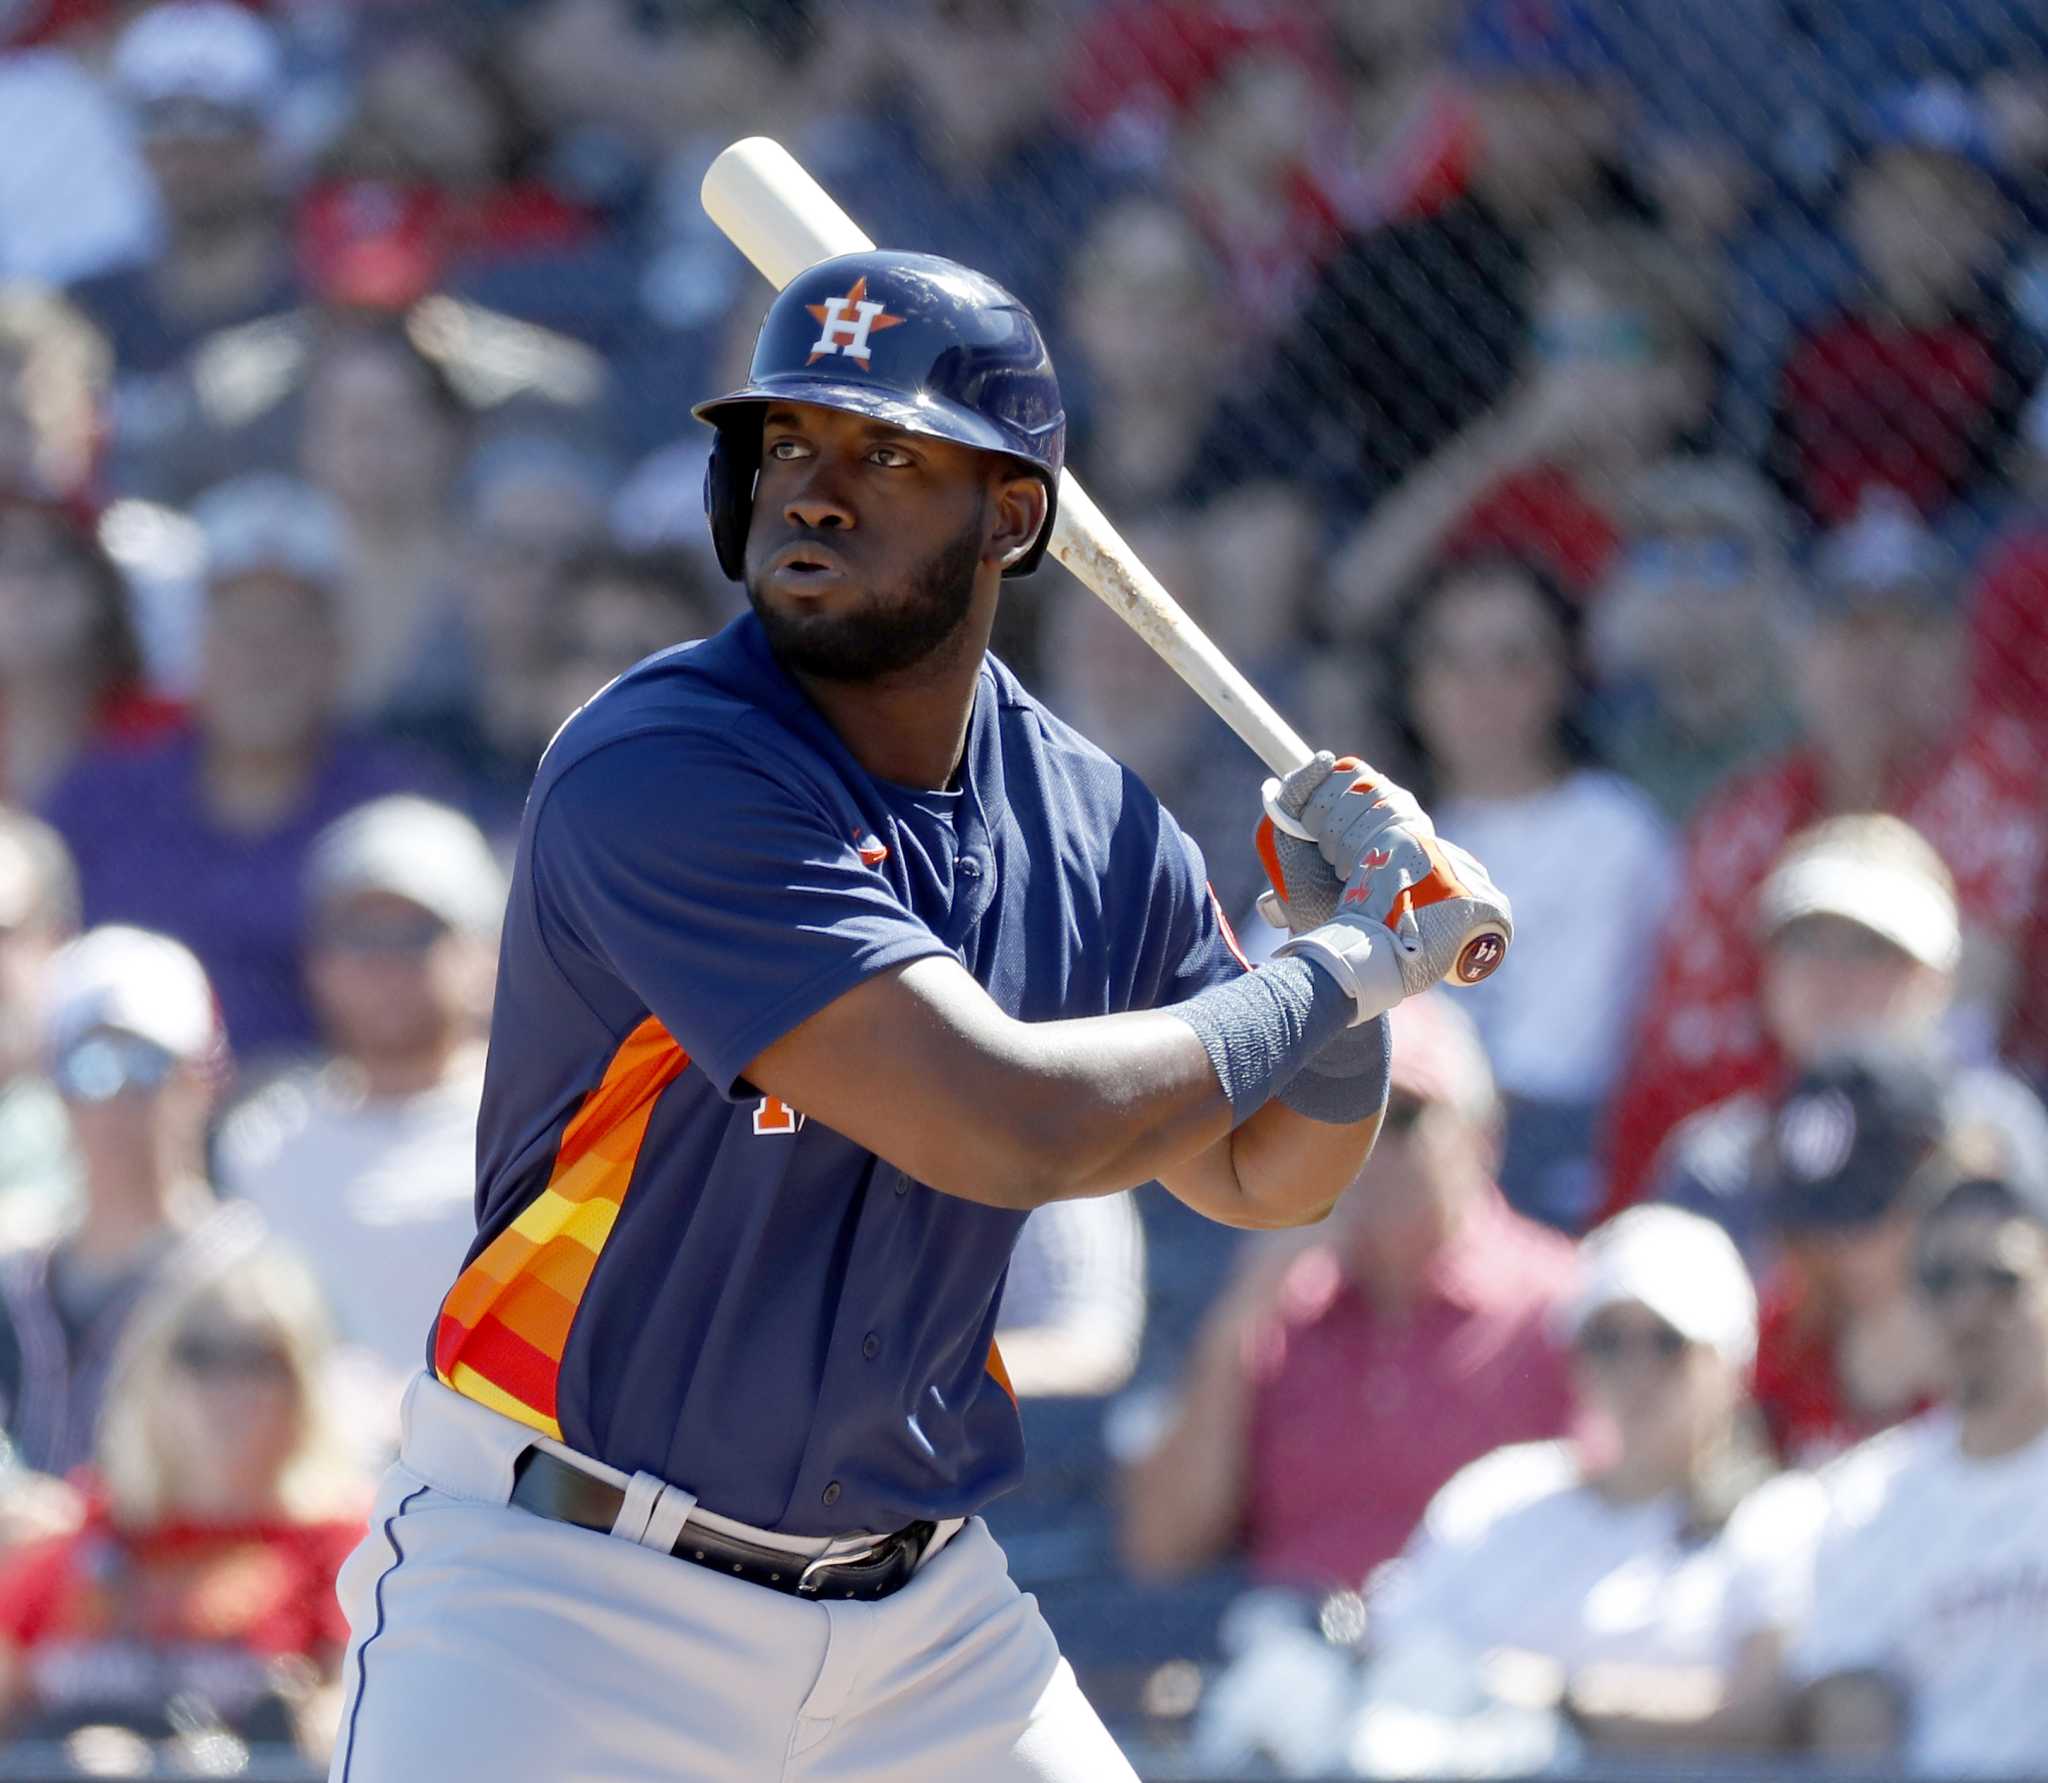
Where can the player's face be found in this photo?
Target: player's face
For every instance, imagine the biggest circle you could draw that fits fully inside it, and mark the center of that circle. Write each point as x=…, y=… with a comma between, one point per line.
x=866, y=543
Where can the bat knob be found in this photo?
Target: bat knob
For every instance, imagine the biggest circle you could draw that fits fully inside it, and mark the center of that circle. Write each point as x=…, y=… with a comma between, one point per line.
x=1480, y=957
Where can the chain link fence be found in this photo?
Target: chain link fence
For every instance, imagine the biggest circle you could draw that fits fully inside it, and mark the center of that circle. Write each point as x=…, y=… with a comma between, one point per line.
x=1623, y=420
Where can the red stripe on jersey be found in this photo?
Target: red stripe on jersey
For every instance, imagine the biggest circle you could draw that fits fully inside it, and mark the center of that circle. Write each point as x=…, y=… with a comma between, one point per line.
x=1223, y=922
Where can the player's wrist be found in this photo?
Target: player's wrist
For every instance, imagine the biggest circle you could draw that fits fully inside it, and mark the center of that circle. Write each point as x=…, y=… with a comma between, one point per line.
x=1261, y=1028
x=1367, y=967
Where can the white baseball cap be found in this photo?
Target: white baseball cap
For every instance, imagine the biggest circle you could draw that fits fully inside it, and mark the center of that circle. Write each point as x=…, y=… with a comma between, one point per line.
x=209, y=50
x=1872, y=870
x=134, y=982
x=1685, y=1269
x=429, y=854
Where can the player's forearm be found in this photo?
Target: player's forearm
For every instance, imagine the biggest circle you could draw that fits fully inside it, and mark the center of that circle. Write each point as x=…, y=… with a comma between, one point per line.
x=921, y=1068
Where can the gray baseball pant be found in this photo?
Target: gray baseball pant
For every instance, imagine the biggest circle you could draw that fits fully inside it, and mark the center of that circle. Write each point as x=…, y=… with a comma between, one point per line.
x=491, y=1645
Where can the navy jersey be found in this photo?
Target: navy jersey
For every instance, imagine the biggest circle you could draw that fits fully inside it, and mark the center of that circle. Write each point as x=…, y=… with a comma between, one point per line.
x=677, y=1274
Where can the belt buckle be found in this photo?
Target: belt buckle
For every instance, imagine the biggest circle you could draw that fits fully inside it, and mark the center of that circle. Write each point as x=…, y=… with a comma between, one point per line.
x=807, y=1584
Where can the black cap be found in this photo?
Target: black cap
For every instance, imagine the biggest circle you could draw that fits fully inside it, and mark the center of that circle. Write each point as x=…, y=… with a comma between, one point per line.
x=1852, y=1140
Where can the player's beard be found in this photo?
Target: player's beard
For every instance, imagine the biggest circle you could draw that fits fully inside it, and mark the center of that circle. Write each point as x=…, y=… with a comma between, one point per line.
x=880, y=637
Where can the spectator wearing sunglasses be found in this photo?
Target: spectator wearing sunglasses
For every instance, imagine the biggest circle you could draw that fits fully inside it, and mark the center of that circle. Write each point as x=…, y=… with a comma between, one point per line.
x=1927, y=1645
x=197, y=1592
x=1640, y=1579
x=132, y=1040
x=366, y=1160
x=1693, y=630
x=1340, y=1380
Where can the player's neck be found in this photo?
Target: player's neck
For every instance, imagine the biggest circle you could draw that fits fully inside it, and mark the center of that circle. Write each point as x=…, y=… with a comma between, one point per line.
x=909, y=727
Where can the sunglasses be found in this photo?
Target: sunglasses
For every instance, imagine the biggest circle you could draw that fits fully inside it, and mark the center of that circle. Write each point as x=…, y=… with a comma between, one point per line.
x=1403, y=1111
x=243, y=1358
x=1609, y=1344
x=1942, y=1282
x=396, y=935
x=1712, y=560
x=102, y=1066
x=1621, y=339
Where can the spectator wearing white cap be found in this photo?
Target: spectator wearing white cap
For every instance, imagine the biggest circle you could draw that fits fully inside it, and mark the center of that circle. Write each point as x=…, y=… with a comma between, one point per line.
x=367, y=1160
x=1861, y=946
x=205, y=834
x=1347, y=1373
x=132, y=1039
x=1643, y=1577
x=1927, y=1645
x=1878, y=675
x=202, y=81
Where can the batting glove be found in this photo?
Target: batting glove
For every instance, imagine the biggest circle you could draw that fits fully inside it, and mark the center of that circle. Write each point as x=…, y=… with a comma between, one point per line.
x=1354, y=859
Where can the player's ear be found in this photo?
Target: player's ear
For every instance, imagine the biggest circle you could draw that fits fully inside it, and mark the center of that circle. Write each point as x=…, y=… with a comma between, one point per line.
x=1018, y=512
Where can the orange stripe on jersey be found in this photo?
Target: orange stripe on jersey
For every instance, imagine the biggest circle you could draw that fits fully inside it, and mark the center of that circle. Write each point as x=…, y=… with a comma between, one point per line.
x=997, y=1368
x=506, y=1322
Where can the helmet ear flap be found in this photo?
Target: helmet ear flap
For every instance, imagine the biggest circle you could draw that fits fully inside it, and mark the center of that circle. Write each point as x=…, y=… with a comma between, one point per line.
x=729, y=475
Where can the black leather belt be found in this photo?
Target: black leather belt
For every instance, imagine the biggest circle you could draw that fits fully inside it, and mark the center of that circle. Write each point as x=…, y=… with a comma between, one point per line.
x=549, y=1487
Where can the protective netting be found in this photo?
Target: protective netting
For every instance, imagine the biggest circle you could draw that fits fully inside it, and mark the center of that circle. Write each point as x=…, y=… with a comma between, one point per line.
x=1626, y=421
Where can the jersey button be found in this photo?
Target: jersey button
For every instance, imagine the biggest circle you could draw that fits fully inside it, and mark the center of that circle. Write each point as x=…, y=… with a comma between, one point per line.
x=871, y=1346
x=902, y=1183
x=831, y=1493
x=969, y=867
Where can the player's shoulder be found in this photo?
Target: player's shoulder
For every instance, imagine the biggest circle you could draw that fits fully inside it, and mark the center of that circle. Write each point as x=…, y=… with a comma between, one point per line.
x=1024, y=716
x=1099, y=794
x=705, y=703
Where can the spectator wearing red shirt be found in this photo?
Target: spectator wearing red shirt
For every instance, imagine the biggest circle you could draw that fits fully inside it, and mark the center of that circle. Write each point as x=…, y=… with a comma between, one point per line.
x=1858, y=1147
x=201, y=1580
x=1878, y=676
x=1338, y=1384
x=1916, y=383
x=70, y=666
x=2009, y=683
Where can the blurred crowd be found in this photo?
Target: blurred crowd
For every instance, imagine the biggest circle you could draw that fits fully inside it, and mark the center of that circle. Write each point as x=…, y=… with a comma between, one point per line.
x=1626, y=422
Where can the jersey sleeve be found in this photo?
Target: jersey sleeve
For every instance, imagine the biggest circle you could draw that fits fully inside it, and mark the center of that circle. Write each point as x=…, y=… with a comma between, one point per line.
x=715, y=882
x=1195, y=945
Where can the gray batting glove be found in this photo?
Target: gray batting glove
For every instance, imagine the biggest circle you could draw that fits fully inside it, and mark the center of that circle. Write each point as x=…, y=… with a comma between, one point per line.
x=1394, y=881
x=1321, y=821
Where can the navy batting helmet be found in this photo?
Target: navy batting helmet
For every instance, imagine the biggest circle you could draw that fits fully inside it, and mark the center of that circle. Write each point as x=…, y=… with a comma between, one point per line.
x=925, y=344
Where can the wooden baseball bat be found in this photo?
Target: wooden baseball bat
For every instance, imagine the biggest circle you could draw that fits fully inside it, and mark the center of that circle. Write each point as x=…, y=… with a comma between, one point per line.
x=783, y=221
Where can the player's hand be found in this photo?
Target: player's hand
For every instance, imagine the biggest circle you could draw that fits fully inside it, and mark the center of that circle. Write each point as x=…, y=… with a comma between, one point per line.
x=1320, y=821
x=1384, y=873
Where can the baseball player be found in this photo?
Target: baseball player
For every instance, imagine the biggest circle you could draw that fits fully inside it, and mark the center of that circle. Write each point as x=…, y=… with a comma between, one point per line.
x=831, y=953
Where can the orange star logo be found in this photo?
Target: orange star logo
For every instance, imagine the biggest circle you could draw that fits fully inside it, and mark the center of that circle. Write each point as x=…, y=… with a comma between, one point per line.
x=846, y=322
